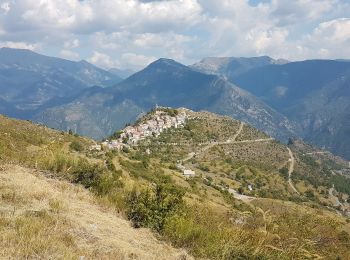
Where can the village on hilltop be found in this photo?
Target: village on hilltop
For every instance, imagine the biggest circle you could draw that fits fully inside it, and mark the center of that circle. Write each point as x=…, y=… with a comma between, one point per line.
x=152, y=125
x=157, y=121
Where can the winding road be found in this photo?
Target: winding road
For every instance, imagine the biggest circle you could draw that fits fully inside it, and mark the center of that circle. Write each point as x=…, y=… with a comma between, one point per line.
x=291, y=170
x=210, y=145
x=238, y=132
x=234, y=193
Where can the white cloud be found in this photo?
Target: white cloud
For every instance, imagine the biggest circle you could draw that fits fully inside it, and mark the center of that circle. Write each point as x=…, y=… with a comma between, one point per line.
x=19, y=45
x=117, y=32
x=136, y=60
x=329, y=40
x=71, y=44
x=288, y=12
x=5, y=7
x=109, y=15
x=167, y=44
x=264, y=40
x=337, y=30
x=68, y=54
x=102, y=60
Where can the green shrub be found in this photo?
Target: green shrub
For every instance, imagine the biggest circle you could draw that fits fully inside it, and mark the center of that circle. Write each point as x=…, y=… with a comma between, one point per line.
x=284, y=172
x=341, y=183
x=152, y=208
x=76, y=146
x=86, y=173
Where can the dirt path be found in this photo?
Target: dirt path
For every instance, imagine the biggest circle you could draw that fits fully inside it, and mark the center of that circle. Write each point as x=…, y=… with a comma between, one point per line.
x=95, y=228
x=291, y=170
x=238, y=132
x=239, y=196
x=325, y=152
x=333, y=198
x=209, y=145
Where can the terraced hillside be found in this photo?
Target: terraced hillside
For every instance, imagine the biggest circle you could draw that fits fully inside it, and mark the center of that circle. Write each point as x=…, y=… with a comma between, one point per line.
x=236, y=156
x=244, y=178
x=240, y=204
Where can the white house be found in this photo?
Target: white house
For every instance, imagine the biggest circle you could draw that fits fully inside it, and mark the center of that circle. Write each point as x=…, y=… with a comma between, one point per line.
x=95, y=147
x=189, y=173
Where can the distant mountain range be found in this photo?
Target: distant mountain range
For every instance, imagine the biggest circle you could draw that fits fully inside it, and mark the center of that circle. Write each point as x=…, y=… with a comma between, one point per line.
x=314, y=94
x=231, y=67
x=309, y=99
x=166, y=83
x=29, y=80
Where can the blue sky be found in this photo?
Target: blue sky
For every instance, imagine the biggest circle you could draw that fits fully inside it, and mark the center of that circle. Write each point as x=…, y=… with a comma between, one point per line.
x=133, y=33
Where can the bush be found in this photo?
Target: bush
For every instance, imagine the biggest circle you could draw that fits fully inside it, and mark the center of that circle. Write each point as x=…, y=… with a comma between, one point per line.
x=85, y=173
x=341, y=183
x=152, y=208
x=284, y=172
x=76, y=146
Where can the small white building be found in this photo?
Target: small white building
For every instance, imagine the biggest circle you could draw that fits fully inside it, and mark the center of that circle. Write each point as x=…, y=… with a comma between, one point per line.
x=95, y=147
x=189, y=173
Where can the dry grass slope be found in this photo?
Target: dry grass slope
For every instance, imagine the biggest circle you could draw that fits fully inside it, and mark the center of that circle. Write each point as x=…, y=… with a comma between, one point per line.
x=50, y=219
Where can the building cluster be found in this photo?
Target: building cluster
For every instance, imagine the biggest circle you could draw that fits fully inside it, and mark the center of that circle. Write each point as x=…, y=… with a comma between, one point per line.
x=158, y=122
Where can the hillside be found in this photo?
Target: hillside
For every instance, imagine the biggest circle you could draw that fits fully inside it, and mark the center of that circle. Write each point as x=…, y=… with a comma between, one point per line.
x=29, y=80
x=251, y=197
x=241, y=171
x=55, y=219
x=164, y=82
x=232, y=153
x=39, y=196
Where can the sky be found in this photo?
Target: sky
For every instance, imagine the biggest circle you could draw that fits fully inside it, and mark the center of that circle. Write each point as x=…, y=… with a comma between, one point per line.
x=133, y=33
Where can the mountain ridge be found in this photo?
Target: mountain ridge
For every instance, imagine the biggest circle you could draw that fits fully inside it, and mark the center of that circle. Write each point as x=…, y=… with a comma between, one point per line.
x=169, y=83
x=29, y=80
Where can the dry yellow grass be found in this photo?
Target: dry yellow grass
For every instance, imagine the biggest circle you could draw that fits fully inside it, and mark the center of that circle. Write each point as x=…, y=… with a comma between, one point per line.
x=51, y=219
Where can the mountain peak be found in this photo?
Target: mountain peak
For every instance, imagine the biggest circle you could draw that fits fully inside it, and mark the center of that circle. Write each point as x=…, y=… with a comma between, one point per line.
x=163, y=62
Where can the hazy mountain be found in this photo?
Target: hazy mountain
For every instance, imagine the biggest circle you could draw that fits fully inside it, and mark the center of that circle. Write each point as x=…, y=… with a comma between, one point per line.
x=122, y=73
x=29, y=80
x=167, y=83
x=314, y=94
x=230, y=67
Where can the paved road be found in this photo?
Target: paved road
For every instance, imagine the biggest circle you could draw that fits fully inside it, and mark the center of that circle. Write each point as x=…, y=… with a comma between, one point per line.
x=291, y=170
